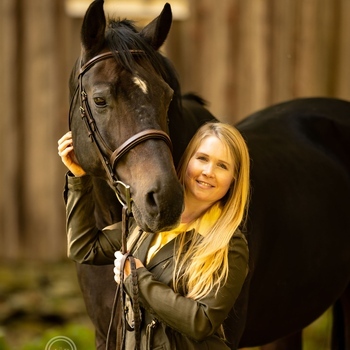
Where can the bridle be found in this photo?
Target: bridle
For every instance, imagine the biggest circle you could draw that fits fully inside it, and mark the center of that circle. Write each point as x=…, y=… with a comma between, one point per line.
x=108, y=157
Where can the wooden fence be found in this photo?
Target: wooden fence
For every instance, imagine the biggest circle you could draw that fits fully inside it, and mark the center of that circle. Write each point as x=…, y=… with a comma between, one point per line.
x=240, y=55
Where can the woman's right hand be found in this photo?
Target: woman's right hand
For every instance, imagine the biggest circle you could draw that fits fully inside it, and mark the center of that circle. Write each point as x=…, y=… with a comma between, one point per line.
x=66, y=152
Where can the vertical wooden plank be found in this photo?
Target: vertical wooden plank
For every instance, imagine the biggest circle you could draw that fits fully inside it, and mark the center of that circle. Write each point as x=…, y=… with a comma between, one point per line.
x=341, y=87
x=200, y=52
x=36, y=100
x=42, y=82
x=327, y=33
x=62, y=58
x=10, y=155
x=231, y=80
x=198, y=60
x=282, y=56
x=253, y=57
x=313, y=47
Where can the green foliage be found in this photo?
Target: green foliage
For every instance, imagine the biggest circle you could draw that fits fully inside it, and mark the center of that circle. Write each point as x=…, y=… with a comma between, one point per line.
x=317, y=336
x=82, y=336
x=3, y=345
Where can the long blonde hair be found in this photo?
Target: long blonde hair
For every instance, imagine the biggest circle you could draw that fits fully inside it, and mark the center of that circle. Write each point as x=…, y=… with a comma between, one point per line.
x=204, y=264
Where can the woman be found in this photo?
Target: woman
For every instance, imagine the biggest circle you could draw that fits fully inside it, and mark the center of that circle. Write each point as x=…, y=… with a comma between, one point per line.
x=188, y=278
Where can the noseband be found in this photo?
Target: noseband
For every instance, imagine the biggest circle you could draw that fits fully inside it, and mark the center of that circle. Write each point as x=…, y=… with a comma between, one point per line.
x=108, y=157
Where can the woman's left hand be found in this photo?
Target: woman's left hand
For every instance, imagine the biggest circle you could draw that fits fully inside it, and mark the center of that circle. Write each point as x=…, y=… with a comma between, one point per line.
x=66, y=152
x=117, y=266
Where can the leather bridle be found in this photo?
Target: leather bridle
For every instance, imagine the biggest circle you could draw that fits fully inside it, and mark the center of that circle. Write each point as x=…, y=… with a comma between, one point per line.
x=108, y=157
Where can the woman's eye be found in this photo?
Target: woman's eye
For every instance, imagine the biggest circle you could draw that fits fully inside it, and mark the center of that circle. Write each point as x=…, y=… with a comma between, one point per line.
x=99, y=101
x=222, y=165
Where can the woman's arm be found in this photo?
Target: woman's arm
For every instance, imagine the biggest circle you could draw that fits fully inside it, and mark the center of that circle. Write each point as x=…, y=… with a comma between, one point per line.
x=86, y=244
x=195, y=319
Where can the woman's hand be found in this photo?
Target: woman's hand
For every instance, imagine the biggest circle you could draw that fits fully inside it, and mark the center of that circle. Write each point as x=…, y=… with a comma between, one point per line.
x=66, y=152
x=127, y=270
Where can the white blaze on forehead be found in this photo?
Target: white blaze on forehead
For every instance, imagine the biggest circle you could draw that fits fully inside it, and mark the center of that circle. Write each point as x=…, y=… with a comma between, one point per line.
x=141, y=84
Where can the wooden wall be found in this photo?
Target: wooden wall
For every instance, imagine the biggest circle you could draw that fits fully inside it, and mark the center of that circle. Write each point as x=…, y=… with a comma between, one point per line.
x=35, y=60
x=240, y=55
x=243, y=55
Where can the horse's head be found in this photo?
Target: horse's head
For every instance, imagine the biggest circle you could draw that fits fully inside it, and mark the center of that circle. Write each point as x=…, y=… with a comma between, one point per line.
x=122, y=89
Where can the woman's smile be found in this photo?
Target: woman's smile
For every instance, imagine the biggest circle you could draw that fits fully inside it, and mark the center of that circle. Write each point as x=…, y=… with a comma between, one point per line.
x=204, y=184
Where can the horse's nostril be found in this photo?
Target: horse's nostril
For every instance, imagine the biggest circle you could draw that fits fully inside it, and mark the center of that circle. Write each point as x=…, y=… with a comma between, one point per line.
x=151, y=200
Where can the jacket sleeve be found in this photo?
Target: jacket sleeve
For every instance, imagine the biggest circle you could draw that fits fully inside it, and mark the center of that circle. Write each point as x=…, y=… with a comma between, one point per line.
x=196, y=319
x=86, y=244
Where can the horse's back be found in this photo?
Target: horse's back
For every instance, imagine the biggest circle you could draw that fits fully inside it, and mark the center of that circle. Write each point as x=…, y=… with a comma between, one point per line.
x=322, y=121
x=299, y=227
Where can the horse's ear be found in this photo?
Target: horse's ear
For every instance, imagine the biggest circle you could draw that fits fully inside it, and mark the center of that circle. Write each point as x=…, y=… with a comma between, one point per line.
x=94, y=26
x=157, y=31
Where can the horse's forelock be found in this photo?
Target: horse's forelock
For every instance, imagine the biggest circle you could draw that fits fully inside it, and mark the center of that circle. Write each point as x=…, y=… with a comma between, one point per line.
x=122, y=36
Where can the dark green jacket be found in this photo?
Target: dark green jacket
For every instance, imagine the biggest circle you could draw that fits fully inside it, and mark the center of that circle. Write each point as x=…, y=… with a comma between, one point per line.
x=181, y=323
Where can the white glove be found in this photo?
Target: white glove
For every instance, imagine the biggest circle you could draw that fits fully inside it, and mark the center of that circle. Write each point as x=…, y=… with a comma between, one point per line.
x=117, y=264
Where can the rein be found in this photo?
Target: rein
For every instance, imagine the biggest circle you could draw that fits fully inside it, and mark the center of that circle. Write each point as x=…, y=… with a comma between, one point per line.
x=109, y=160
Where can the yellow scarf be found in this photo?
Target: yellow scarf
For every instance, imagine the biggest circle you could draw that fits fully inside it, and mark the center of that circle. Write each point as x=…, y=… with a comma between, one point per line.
x=204, y=224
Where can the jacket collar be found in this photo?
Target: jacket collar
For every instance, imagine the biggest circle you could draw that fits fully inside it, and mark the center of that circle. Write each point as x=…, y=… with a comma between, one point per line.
x=167, y=251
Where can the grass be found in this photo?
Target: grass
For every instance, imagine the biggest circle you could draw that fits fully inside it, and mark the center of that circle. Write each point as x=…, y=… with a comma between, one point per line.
x=316, y=337
x=30, y=294
x=66, y=337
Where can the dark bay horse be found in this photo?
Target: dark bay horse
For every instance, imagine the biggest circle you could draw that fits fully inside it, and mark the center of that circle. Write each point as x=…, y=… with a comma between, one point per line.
x=299, y=222
x=299, y=226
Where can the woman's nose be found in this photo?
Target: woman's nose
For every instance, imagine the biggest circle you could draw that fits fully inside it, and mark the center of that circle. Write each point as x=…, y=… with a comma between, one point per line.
x=208, y=170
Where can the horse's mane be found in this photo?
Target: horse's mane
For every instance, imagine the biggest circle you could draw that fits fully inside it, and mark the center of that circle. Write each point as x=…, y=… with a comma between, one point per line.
x=122, y=37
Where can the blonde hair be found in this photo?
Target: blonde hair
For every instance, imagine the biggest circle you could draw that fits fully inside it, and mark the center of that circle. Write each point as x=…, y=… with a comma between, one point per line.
x=204, y=264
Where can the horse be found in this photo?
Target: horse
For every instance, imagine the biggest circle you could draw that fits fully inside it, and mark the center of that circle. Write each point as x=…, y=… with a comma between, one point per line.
x=298, y=225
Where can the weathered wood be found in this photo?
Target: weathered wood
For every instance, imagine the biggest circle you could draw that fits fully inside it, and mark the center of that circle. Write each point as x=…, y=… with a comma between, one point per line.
x=341, y=65
x=10, y=192
x=35, y=72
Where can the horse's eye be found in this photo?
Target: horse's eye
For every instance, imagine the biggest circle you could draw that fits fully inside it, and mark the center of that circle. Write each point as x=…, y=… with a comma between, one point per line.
x=99, y=101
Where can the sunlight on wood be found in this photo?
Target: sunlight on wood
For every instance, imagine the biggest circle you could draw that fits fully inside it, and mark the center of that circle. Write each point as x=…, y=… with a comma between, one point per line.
x=131, y=8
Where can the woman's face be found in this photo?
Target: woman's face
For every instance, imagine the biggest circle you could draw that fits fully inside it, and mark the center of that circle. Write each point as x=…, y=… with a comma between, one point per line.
x=209, y=172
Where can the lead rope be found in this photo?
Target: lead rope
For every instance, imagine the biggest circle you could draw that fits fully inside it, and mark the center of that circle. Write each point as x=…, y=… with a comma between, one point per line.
x=126, y=214
x=135, y=288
